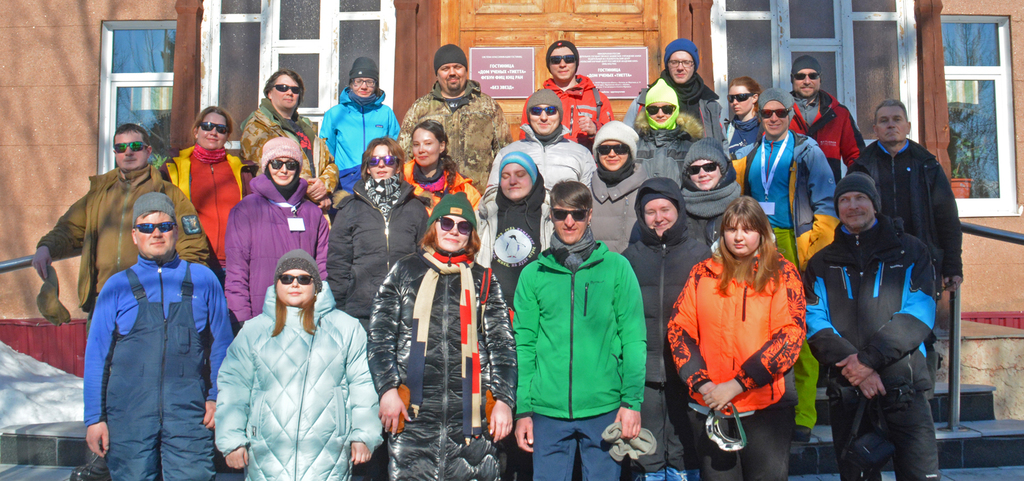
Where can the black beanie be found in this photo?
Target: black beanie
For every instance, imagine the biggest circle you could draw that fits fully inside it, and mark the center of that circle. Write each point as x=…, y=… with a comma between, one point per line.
x=805, y=61
x=858, y=182
x=654, y=195
x=299, y=259
x=559, y=44
x=449, y=54
x=364, y=67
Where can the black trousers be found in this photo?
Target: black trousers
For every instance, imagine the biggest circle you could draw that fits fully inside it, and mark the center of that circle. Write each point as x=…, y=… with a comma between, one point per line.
x=766, y=456
x=912, y=432
x=666, y=414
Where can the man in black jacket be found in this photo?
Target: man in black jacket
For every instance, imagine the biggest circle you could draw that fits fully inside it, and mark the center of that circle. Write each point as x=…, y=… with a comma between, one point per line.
x=870, y=306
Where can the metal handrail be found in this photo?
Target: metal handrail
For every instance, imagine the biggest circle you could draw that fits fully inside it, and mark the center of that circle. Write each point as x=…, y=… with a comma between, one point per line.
x=12, y=265
x=992, y=233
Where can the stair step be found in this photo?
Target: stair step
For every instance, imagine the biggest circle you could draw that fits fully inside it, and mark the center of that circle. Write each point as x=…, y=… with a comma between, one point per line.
x=22, y=472
x=976, y=403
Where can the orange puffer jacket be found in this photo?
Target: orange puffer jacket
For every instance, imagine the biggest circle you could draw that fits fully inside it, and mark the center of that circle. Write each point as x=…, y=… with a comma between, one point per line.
x=753, y=337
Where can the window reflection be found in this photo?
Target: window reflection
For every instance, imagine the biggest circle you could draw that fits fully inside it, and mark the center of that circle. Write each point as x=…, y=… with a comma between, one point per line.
x=143, y=51
x=149, y=107
x=973, y=139
x=970, y=44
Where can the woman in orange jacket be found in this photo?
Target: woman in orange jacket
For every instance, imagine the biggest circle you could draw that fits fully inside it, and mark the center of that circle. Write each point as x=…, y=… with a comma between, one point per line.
x=737, y=331
x=433, y=172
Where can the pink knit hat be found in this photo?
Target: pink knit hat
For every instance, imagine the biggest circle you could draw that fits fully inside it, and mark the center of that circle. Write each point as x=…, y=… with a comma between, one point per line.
x=279, y=147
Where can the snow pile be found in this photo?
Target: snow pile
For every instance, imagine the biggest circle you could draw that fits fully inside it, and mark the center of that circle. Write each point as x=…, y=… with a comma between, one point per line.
x=33, y=392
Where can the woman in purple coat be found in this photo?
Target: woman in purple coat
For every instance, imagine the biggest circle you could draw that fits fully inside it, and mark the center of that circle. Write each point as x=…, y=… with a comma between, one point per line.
x=263, y=227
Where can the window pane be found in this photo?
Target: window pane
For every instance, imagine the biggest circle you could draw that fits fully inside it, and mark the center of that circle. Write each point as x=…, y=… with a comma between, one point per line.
x=143, y=51
x=149, y=107
x=750, y=50
x=356, y=39
x=876, y=60
x=874, y=5
x=828, y=71
x=308, y=66
x=970, y=44
x=240, y=81
x=360, y=5
x=748, y=5
x=811, y=19
x=973, y=139
x=240, y=6
x=300, y=19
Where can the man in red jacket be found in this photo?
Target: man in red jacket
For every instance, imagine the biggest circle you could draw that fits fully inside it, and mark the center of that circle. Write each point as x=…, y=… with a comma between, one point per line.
x=821, y=117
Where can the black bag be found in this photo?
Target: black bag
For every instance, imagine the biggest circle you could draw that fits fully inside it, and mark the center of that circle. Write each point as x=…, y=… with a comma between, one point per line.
x=871, y=451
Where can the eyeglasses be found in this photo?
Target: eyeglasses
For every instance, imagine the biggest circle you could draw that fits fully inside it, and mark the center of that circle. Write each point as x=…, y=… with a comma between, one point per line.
x=620, y=149
x=148, y=228
x=695, y=169
x=801, y=75
x=135, y=146
x=768, y=113
x=364, y=82
x=653, y=109
x=208, y=126
x=389, y=161
x=578, y=215
x=304, y=279
x=288, y=164
x=557, y=59
x=550, y=110
x=677, y=63
x=464, y=227
x=740, y=97
x=284, y=88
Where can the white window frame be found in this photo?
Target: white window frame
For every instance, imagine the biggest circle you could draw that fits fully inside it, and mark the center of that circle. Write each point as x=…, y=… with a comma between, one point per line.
x=271, y=46
x=1006, y=203
x=110, y=82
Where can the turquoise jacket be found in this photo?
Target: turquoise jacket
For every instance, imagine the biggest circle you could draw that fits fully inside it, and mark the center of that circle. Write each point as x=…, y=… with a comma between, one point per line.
x=348, y=127
x=298, y=401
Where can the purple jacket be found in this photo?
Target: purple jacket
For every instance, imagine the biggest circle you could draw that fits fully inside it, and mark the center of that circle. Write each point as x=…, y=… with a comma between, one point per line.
x=258, y=235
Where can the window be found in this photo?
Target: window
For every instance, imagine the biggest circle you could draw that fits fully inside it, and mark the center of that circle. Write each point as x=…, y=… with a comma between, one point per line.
x=136, y=81
x=978, y=93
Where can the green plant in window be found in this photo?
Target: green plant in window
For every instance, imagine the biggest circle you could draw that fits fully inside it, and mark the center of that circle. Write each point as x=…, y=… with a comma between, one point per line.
x=157, y=160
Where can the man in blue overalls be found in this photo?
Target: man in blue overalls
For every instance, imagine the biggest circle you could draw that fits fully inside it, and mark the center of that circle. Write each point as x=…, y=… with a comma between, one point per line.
x=159, y=332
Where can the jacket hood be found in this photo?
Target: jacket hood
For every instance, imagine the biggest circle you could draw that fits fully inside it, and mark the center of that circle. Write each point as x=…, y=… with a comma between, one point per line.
x=686, y=124
x=472, y=90
x=263, y=186
x=667, y=187
x=324, y=304
x=343, y=98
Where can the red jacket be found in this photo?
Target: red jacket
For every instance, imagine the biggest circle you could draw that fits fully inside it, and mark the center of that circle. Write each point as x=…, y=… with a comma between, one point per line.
x=834, y=129
x=582, y=99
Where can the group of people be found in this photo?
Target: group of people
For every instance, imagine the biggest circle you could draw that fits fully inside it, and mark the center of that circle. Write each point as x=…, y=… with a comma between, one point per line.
x=478, y=308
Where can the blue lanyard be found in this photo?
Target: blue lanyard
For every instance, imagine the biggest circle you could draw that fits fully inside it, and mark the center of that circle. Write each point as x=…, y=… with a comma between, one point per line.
x=768, y=177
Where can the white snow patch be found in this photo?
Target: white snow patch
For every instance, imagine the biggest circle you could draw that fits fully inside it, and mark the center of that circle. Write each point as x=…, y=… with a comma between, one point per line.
x=33, y=392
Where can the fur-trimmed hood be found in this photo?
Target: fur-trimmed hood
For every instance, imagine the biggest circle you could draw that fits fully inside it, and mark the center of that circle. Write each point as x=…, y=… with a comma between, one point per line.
x=685, y=123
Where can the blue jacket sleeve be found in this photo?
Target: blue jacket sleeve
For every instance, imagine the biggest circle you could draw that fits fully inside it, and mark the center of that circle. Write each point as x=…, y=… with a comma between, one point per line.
x=98, y=346
x=393, y=127
x=327, y=131
x=235, y=379
x=219, y=321
x=827, y=345
x=362, y=406
x=910, y=325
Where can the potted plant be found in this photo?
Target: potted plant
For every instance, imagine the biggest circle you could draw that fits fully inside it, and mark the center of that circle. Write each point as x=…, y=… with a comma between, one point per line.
x=959, y=181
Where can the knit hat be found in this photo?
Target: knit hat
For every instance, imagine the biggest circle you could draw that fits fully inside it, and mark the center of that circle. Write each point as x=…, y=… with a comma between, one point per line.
x=299, y=259
x=655, y=195
x=559, y=44
x=707, y=149
x=662, y=92
x=280, y=147
x=449, y=54
x=545, y=97
x=364, y=67
x=858, y=182
x=522, y=159
x=804, y=62
x=682, y=44
x=151, y=202
x=619, y=132
x=454, y=204
x=778, y=95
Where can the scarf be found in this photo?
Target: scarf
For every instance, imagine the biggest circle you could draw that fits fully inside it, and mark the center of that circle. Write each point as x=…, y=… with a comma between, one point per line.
x=612, y=178
x=209, y=156
x=708, y=204
x=689, y=93
x=384, y=193
x=287, y=191
x=549, y=139
x=573, y=256
x=434, y=184
x=472, y=398
x=363, y=101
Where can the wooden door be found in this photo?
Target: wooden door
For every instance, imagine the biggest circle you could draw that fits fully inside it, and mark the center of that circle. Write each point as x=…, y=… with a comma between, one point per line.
x=539, y=23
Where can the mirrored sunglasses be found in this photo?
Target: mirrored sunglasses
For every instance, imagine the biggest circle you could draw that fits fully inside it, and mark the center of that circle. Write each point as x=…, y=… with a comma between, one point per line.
x=287, y=164
x=695, y=169
x=550, y=110
x=801, y=76
x=768, y=113
x=288, y=279
x=740, y=97
x=653, y=109
x=284, y=88
x=578, y=215
x=148, y=228
x=557, y=59
x=464, y=227
x=135, y=146
x=620, y=149
x=389, y=161
x=208, y=126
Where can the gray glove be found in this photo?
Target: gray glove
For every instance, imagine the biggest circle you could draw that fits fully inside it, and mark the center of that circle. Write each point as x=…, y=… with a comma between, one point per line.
x=634, y=448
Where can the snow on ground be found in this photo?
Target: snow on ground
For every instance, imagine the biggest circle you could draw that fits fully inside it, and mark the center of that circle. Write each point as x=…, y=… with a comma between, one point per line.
x=34, y=392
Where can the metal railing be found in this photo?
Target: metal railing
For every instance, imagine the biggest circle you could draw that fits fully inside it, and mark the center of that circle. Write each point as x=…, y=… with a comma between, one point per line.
x=15, y=264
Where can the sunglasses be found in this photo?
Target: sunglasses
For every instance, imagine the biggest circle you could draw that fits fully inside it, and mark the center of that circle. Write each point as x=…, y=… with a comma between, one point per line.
x=284, y=88
x=557, y=59
x=389, y=161
x=208, y=126
x=578, y=215
x=550, y=110
x=801, y=76
x=464, y=227
x=768, y=113
x=695, y=169
x=653, y=109
x=135, y=146
x=304, y=279
x=148, y=228
x=287, y=164
x=740, y=97
x=620, y=149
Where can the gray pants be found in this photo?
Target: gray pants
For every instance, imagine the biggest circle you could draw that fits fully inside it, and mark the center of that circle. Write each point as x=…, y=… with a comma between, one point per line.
x=666, y=415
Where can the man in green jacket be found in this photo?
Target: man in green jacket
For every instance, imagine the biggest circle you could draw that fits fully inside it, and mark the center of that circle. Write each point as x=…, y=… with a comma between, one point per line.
x=582, y=345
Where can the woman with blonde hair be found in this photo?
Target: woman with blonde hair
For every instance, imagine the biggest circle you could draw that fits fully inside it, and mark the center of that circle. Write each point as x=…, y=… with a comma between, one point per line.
x=738, y=331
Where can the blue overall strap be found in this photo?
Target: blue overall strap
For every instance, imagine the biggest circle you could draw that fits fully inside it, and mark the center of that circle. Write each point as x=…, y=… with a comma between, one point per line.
x=137, y=289
x=186, y=283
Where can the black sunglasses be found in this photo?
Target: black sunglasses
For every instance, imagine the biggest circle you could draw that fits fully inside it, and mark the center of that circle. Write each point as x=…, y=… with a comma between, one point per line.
x=208, y=126
x=135, y=146
x=557, y=59
x=620, y=149
x=464, y=227
x=668, y=109
x=288, y=164
x=740, y=97
x=284, y=88
x=767, y=113
x=695, y=169
x=389, y=160
x=304, y=279
x=801, y=75
x=550, y=110
x=148, y=228
x=578, y=215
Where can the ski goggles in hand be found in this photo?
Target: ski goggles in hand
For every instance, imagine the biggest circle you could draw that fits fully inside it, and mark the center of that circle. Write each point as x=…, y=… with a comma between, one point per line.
x=714, y=428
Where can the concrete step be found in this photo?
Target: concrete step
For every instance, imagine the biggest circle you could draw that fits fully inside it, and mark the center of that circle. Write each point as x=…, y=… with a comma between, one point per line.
x=976, y=403
x=21, y=472
x=975, y=474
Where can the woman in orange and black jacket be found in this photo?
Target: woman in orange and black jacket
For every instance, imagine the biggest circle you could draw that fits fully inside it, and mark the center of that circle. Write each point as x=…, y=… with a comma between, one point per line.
x=738, y=330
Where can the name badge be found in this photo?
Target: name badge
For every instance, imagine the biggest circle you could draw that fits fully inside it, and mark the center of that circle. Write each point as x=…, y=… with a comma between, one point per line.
x=295, y=224
x=768, y=207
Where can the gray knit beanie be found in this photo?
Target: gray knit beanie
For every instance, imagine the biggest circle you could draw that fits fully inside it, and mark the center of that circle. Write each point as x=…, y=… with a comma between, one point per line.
x=299, y=259
x=545, y=97
x=778, y=95
x=707, y=149
x=151, y=202
x=804, y=62
x=619, y=132
x=858, y=182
